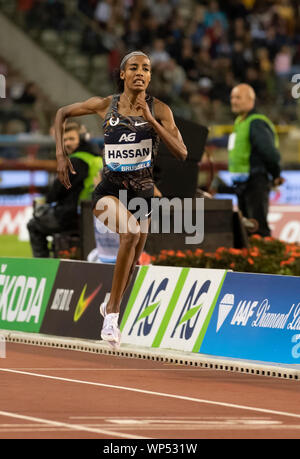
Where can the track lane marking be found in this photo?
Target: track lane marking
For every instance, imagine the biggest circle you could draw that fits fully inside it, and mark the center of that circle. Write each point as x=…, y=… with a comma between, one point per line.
x=159, y=394
x=68, y=426
x=106, y=369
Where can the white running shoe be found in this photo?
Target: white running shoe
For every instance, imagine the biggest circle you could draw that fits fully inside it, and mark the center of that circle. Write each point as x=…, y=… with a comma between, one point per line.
x=110, y=331
x=103, y=305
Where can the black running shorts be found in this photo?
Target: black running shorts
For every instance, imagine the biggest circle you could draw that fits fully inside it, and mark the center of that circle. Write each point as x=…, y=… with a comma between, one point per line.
x=140, y=209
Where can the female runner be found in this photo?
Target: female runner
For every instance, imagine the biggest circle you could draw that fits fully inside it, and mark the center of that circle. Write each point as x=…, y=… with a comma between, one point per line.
x=133, y=124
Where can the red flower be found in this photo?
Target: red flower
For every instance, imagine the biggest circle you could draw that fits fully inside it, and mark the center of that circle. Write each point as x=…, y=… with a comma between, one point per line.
x=256, y=236
x=221, y=249
x=254, y=252
x=145, y=259
x=235, y=251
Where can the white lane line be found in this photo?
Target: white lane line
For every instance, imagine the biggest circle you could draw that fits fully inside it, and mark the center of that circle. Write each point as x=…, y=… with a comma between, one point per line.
x=68, y=426
x=106, y=369
x=225, y=428
x=158, y=394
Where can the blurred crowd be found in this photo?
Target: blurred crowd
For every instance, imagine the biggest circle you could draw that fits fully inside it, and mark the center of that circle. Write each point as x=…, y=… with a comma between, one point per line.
x=199, y=48
x=25, y=109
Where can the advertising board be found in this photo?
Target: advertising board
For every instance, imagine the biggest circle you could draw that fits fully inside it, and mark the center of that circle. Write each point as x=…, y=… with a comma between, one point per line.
x=256, y=317
x=25, y=288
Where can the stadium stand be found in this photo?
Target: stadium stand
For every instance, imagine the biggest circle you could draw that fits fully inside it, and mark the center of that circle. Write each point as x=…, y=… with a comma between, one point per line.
x=199, y=49
x=26, y=108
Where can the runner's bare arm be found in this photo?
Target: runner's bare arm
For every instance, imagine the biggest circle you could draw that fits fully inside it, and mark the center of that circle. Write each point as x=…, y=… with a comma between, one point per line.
x=92, y=106
x=166, y=129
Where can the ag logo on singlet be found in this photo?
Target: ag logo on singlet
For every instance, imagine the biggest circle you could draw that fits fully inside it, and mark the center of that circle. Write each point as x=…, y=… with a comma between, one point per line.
x=128, y=137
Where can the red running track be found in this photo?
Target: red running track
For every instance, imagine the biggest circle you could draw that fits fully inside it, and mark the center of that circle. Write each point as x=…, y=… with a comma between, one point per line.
x=61, y=394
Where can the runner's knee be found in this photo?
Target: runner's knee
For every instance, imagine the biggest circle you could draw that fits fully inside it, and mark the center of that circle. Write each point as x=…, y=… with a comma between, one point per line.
x=129, y=239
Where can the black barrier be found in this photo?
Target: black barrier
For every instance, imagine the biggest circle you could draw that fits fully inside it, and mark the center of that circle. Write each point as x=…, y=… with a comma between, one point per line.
x=220, y=229
x=176, y=178
x=78, y=291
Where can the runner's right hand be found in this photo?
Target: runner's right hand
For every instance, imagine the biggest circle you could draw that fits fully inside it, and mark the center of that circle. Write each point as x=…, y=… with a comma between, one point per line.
x=64, y=166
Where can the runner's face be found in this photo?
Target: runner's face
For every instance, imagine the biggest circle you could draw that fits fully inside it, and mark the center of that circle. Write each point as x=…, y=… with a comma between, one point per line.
x=137, y=73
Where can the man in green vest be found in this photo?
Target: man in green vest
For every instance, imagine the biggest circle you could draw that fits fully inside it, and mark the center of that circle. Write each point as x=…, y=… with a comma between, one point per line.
x=254, y=158
x=60, y=213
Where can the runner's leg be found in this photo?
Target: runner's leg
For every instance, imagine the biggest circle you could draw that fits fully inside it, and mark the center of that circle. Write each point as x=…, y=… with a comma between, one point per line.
x=116, y=217
x=138, y=251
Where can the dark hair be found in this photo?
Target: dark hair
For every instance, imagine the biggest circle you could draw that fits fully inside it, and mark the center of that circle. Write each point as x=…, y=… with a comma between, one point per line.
x=118, y=80
x=73, y=126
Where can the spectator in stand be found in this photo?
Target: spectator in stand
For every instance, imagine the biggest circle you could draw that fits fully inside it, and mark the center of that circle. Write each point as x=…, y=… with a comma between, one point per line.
x=149, y=26
x=132, y=36
x=103, y=12
x=161, y=9
x=254, y=80
x=282, y=68
x=238, y=61
x=158, y=55
x=213, y=15
x=285, y=10
x=187, y=59
x=271, y=42
x=174, y=77
x=283, y=62
x=198, y=28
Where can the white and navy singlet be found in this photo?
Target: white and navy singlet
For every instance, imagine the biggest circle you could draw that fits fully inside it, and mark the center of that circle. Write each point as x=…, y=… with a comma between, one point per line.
x=130, y=145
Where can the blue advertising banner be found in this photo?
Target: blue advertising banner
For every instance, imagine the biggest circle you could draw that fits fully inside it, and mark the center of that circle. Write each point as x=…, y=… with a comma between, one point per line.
x=256, y=317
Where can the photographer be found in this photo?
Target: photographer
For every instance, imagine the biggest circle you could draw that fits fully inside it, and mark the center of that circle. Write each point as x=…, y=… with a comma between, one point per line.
x=60, y=213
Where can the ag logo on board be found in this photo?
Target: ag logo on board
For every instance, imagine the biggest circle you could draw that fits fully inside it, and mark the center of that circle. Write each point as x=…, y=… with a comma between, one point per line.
x=191, y=311
x=146, y=308
x=171, y=307
x=191, y=314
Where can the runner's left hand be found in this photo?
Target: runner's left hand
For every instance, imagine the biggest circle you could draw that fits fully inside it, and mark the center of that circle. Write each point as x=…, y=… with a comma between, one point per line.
x=142, y=105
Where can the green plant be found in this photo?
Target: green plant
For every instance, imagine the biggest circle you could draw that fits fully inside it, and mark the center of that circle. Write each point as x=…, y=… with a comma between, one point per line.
x=264, y=255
